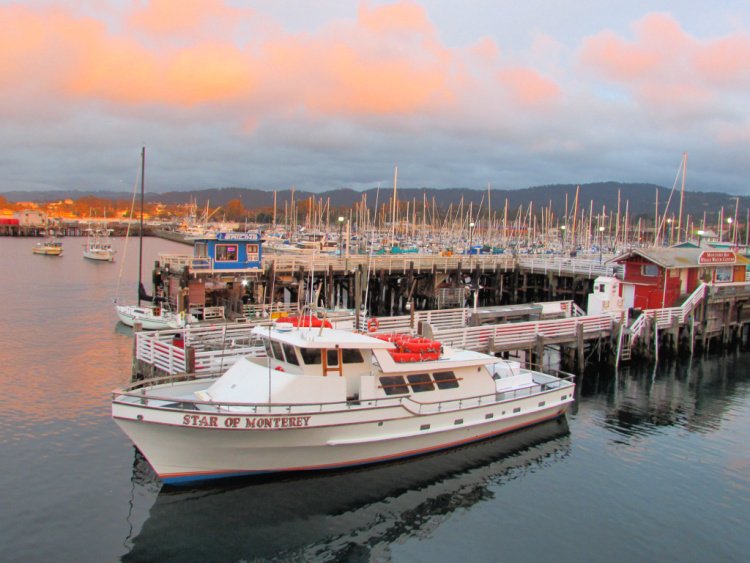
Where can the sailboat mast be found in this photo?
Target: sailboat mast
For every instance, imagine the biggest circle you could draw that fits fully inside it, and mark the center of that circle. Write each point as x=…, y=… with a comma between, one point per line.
x=140, y=232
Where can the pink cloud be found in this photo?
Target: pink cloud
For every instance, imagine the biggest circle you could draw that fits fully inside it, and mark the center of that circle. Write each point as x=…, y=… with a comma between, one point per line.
x=527, y=87
x=662, y=65
x=387, y=61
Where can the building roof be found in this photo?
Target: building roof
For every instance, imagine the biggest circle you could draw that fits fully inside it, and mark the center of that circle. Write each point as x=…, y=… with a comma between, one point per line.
x=675, y=257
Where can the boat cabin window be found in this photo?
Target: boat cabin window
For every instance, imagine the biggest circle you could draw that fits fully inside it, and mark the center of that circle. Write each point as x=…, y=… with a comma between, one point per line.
x=420, y=382
x=332, y=356
x=445, y=379
x=351, y=356
x=291, y=354
x=394, y=385
x=277, y=353
x=267, y=346
x=310, y=356
x=226, y=253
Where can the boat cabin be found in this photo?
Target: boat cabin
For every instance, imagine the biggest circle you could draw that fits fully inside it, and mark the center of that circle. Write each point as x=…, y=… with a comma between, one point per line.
x=610, y=295
x=311, y=365
x=659, y=276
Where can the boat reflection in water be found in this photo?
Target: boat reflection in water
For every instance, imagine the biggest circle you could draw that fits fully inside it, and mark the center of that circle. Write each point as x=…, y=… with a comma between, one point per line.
x=332, y=515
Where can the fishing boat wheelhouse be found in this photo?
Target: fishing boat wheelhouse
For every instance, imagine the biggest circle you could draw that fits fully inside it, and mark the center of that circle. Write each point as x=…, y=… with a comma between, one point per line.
x=325, y=398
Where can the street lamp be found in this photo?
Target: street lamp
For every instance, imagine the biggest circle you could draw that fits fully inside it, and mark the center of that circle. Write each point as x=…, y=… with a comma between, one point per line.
x=341, y=238
x=729, y=230
x=701, y=232
x=669, y=223
x=562, y=238
x=601, y=243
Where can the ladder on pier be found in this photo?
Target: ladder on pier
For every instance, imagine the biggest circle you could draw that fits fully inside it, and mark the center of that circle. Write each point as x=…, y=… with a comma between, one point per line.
x=624, y=346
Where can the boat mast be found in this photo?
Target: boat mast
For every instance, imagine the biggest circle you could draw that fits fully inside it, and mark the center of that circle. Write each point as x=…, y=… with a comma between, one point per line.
x=140, y=232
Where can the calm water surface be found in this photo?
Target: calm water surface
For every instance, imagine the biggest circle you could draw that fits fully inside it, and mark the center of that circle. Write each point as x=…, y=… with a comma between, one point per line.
x=651, y=465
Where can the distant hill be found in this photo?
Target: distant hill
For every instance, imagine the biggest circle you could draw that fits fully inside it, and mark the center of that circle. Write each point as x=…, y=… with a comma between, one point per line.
x=640, y=197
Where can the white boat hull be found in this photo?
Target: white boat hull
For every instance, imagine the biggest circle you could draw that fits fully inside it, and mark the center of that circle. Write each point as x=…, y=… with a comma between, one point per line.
x=184, y=446
x=100, y=255
x=129, y=315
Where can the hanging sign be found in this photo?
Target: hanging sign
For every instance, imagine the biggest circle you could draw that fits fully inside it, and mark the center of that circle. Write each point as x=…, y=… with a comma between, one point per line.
x=717, y=257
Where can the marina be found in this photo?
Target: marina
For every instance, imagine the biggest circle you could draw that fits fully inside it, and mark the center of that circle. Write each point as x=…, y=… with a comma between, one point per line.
x=397, y=281
x=663, y=444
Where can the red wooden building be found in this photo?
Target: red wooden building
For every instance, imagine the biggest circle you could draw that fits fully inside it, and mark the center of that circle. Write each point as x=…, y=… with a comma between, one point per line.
x=657, y=277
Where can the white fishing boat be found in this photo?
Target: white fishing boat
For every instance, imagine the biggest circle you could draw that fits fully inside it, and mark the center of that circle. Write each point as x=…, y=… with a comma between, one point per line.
x=325, y=398
x=98, y=245
x=48, y=248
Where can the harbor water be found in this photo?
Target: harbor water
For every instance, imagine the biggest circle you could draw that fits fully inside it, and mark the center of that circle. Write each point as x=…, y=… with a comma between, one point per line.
x=651, y=464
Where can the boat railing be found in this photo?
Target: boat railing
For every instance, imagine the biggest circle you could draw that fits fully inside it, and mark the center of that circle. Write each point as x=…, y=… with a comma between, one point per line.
x=136, y=394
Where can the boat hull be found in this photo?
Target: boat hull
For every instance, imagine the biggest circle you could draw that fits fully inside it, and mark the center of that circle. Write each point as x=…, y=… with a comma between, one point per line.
x=130, y=315
x=99, y=255
x=187, y=446
x=47, y=251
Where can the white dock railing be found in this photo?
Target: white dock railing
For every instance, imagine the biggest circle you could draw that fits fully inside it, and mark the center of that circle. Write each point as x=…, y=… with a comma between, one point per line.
x=520, y=335
x=665, y=317
x=419, y=262
x=559, y=264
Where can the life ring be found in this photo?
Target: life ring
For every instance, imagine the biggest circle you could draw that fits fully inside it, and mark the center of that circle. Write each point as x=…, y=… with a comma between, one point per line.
x=373, y=325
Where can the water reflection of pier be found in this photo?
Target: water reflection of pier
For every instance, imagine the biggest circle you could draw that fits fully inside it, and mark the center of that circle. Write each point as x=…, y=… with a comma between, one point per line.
x=695, y=395
x=325, y=515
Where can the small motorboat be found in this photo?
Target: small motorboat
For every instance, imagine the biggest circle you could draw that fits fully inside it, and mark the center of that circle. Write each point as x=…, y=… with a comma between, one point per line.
x=48, y=248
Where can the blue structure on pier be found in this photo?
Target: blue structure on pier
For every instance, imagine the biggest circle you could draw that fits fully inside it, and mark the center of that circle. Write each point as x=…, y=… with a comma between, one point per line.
x=230, y=251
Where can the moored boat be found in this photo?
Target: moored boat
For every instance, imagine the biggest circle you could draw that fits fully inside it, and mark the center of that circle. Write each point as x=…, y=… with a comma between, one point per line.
x=325, y=398
x=48, y=248
x=98, y=246
x=150, y=317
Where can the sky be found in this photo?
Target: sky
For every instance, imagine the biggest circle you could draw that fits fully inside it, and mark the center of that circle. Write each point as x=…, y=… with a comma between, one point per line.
x=331, y=94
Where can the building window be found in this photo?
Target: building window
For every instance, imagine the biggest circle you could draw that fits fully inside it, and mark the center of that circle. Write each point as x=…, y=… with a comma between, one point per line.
x=394, y=385
x=226, y=253
x=445, y=380
x=723, y=275
x=252, y=253
x=420, y=382
x=201, y=250
x=650, y=270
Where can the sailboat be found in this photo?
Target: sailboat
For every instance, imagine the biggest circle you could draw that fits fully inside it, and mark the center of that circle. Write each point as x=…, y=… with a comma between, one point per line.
x=156, y=315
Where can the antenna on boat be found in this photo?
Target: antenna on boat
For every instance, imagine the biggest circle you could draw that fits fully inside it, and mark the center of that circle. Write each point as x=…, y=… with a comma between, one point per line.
x=140, y=232
x=127, y=237
x=369, y=260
